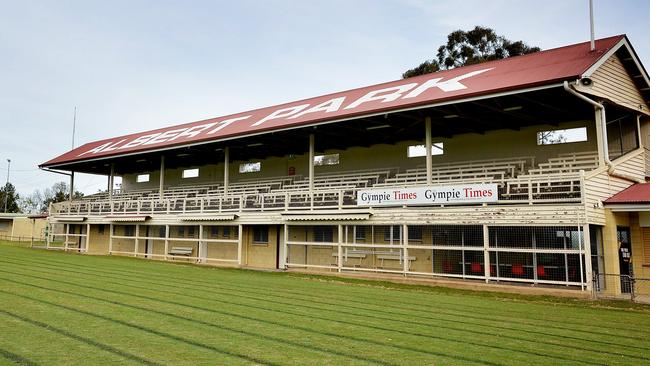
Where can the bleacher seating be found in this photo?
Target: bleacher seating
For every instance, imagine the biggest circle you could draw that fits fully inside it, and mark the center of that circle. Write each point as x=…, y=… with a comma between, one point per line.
x=518, y=178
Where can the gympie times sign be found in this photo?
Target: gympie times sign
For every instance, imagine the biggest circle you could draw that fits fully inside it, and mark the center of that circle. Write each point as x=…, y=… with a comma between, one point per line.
x=439, y=195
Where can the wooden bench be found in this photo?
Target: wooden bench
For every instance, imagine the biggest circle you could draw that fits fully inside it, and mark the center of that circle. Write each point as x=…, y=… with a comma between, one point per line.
x=395, y=257
x=181, y=251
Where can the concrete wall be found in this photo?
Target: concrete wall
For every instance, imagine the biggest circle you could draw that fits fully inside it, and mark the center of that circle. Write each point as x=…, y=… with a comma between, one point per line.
x=22, y=228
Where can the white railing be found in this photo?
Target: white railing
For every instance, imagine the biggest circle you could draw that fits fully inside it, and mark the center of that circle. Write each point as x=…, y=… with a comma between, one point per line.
x=544, y=189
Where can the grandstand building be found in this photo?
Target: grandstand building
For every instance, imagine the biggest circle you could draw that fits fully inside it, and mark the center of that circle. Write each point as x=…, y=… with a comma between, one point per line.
x=497, y=172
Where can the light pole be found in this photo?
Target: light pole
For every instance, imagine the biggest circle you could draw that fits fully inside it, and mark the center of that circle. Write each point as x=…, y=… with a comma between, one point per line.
x=7, y=185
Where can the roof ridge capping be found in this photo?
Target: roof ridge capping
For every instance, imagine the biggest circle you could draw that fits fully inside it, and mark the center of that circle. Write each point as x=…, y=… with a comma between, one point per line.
x=484, y=79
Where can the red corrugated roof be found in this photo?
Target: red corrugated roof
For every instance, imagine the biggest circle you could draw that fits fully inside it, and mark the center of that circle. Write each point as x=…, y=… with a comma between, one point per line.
x=541, y=68
x=637, y=193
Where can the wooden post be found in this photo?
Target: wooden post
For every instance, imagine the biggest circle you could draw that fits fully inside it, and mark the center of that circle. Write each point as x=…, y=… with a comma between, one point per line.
x=405, y=251
x=240, y=248
x=110, y=186
x=339, y=261
x=586, y=242
x=162, y=177
x=311, y=164
x=87, y=238
x=486, y=253
x=226, y=171
x=201, y=249
x=284, y=253
x=427, y=139
x=110, y=238
x=71, y=187
x=166, y=241
x=137, y=241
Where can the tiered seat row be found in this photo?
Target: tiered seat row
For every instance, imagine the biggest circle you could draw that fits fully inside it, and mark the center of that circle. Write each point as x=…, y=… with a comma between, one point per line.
x=518, y=179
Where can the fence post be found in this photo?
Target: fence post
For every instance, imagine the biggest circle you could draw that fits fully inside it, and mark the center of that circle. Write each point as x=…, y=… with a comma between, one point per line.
x=632, y=286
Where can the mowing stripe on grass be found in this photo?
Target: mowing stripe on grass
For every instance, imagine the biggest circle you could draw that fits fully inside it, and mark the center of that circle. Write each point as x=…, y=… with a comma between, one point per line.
x=593, y=329
x=535, y=342
x=402, y=348
x=142, y=328
x=15, y=358
x=392, y=318
x=88, y=341
x=202, y=322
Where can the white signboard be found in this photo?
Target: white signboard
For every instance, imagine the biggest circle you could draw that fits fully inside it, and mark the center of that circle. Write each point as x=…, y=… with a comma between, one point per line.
x=438, y=195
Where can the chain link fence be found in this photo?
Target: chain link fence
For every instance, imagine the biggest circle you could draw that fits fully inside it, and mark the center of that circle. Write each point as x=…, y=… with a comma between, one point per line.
x=636, y=289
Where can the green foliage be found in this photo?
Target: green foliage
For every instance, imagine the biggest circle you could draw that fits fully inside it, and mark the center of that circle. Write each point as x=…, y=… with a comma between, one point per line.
x=471, y=47
x=9, y=198
x=58, y=193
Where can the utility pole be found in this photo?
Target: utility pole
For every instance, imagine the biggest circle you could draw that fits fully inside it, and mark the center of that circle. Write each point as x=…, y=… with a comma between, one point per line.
x=7, y=184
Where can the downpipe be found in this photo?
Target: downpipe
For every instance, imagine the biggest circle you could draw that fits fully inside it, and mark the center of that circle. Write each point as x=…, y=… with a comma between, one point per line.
x=611, y=169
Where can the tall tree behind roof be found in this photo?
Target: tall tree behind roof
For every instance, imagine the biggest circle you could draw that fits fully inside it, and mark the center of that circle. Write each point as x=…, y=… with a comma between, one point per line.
x=478, y=45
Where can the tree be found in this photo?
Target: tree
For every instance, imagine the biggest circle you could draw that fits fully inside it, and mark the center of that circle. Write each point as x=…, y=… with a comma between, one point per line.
x=8, y=194
x=58, y=193
x=31, y=204
x=471, y=47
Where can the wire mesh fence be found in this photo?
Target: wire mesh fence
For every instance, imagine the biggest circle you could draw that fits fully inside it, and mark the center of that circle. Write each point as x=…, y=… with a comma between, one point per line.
x=637, y=289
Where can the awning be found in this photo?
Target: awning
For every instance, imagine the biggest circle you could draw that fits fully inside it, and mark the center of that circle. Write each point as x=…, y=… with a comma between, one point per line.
x=69, y=218
x=325, y=215
x=138, y=218
x=226, y=217
x=634, y=198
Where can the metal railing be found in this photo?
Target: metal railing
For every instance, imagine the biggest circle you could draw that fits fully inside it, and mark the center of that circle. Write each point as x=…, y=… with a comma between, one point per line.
x=637, y=289
x=557, y=188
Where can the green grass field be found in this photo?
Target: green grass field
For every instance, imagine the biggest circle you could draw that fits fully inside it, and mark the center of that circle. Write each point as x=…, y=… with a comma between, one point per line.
x=67, y=309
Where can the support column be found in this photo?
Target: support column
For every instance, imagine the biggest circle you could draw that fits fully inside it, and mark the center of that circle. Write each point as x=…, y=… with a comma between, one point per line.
x=110, y=238
x=226, y=170
x=67, y=233
x=339, y=261
x=110, y=185
x=137, y=241
x=87, y=238
x=240, y=247
x=405, y=251
x=311, y=163
x=486, y=253
x=162, y=177
x=284, y=248
x=201, y=249
x=71, y=186
x=427, y=128
x=587, y=253
x=599, y=136
x=166, y=242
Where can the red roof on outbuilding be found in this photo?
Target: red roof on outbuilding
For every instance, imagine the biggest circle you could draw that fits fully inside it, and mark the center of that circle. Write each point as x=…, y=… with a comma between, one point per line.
x=516, y=73
x=637, y=193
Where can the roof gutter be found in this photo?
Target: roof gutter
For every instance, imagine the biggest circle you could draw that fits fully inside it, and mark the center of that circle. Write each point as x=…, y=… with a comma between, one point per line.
x=601, y=108
x=54, y=171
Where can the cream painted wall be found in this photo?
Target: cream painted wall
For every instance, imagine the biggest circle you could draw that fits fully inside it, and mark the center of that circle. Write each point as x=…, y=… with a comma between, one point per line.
x=493, y=144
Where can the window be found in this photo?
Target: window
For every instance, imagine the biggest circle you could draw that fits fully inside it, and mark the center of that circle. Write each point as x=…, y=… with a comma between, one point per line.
x=191, y=173
x=226, y=231
x=360, y=233
x=552, y=137
x=260, y=234
x=190, y=231
x=181, y=231
x=330, y=159
x=250, y=167
x=397, y=231
x=129, y=231
x=323, y=234
x=142, y=178
x=214, y=231
x=414, y=151
x=415, y=233
x=100, y=229
x=162, y=232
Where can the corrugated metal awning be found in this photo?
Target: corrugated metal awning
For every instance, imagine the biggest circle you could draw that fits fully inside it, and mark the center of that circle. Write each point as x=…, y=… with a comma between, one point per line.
x=327, y=215
x=69, y=218
x=130, y=218
x=222, y=217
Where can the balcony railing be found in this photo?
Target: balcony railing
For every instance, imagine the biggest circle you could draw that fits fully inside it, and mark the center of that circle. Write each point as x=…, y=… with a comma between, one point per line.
x=542, y=189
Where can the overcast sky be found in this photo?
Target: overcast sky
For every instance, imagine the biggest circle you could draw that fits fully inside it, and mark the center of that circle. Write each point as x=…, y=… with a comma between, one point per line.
x=134, y=65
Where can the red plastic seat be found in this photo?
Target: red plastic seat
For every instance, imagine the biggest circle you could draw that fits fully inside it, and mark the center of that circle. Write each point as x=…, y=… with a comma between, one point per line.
x=517, y=269
x=541, y=271
x=476, y=267
x=447, y=267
